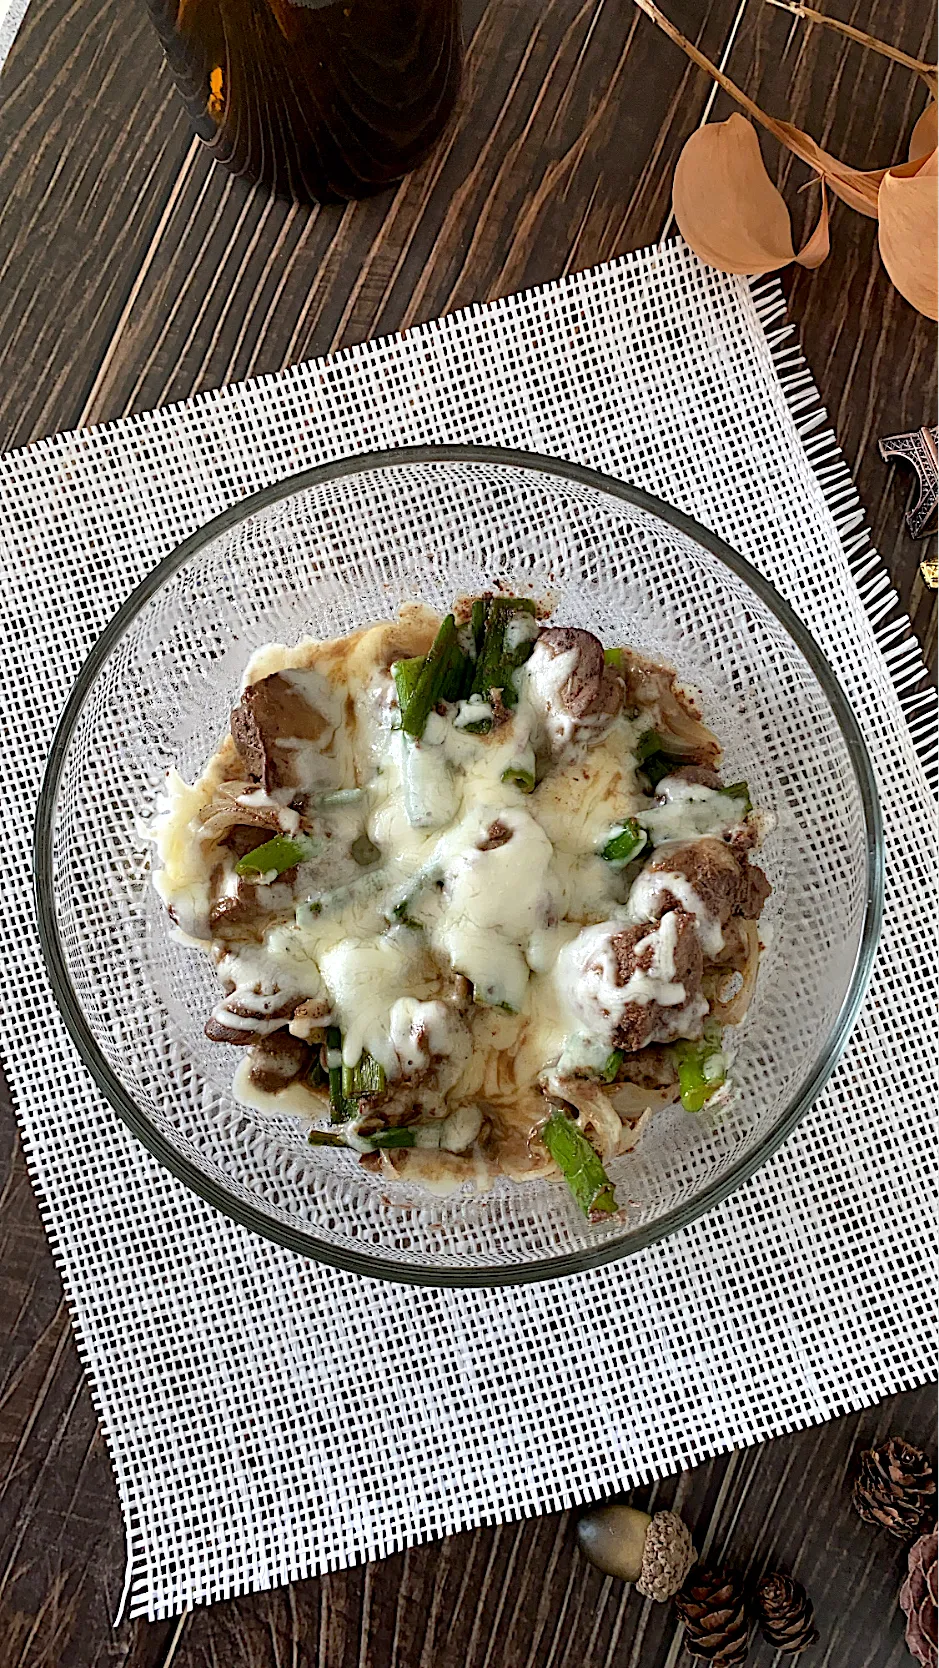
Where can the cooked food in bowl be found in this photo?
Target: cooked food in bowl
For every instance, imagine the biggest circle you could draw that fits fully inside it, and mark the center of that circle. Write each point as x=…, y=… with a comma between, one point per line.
x=477, y=895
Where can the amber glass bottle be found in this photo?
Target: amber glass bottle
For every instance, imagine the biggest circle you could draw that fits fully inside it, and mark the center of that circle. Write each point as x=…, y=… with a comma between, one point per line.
x=319, y=102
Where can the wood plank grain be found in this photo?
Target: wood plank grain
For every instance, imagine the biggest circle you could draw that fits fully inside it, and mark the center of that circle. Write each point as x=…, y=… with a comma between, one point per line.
x=91, y=140
x=554, y=159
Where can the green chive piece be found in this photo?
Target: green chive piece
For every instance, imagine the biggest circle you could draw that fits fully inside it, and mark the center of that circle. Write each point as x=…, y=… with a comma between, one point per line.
x=441, y=674
x=739, y=790
x=406, y=674
x=478, y=618
x=325, y=1138
x=496, y=662
x=366, y=1077
x=701, y=1071
x=613, y=1063
x=393, y=1138
x=338, y=1110
x=580, y=1165
x=624, y=843
x=279, y=854
x=614, y=658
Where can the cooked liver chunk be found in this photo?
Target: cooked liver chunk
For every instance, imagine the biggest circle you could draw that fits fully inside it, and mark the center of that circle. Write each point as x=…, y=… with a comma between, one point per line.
x=725, y=881
x=269, y=711
x=593, y=690
x=278, y=1060
x=634, y=952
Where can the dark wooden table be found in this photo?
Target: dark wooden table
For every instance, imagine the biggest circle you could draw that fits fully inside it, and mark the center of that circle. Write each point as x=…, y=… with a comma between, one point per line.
x=134, y=273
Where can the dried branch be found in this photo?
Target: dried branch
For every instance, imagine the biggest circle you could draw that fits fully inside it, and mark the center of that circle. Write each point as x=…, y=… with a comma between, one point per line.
x=853, y=186
x=929, y=72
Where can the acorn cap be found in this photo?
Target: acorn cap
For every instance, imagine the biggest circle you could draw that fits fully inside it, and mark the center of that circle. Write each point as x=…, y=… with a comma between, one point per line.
x=666, y=1557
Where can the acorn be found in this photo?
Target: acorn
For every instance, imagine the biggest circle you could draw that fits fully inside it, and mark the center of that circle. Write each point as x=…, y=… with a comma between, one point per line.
x=654, y=1553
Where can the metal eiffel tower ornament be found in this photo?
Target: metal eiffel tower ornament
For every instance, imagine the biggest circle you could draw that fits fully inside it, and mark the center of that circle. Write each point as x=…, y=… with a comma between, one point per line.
x=921, y=449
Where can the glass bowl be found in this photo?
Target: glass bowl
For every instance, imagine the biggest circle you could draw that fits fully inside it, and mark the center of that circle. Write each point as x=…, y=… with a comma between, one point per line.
x=321, y=554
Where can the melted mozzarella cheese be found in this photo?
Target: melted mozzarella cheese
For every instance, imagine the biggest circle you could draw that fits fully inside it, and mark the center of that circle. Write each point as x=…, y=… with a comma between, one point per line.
x=365, y=978
x=688, y=811
x=646, y=896
x=508, y=886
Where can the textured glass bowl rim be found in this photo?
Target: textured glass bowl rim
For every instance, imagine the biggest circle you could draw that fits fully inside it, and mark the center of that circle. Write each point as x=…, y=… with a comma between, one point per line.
x=295, y=1238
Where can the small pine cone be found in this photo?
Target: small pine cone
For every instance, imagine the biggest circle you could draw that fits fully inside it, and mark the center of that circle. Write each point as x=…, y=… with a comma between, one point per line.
x=895, y=1488
x=785, y=1613
x=712, y=1607
x=919, y=1601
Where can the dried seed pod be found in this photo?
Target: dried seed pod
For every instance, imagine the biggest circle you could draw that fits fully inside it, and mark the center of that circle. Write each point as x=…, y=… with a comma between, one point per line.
x=895, y=1487
x=907, y=231
x=785, y=1613
x=919, y=1601
x=728, y=209
x=711, y=1605
x=653, y=1552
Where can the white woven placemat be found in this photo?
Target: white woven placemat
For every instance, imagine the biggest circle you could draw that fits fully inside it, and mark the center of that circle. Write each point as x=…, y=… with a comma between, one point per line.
x=267, y=1417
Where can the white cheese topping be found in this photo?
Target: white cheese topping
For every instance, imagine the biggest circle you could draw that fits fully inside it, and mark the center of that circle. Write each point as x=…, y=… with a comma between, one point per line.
x=646, y=895
x=689, y=811
x=657, y=982
x=473, y=873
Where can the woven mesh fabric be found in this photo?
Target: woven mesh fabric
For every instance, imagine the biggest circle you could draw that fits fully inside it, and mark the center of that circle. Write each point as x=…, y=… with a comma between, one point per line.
x=268, y=1417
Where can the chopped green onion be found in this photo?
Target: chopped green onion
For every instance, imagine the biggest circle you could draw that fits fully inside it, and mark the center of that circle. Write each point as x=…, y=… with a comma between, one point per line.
x=276, y=856
x=581, y=1166
x=406, y=674
x=326, y=1138
x=701, y=1071
x=624, y=843
x=519, y=777
x=338, y=1110
x=649, y=742
x=614, y=658
x=613, y=1063
x=392, y=1138
x=440, y=678
x=495, y=662
x=340, y=796
x=739, y=790
x=366, y=1077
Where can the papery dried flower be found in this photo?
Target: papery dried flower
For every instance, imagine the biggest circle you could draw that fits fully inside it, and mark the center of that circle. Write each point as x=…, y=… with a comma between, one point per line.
x=731, y=214
x=728, y=209
x=924, y=137
x=855, y=186
x=907, y=232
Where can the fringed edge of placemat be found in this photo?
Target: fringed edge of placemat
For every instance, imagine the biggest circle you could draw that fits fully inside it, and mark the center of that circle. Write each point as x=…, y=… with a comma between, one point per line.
x=893, y=631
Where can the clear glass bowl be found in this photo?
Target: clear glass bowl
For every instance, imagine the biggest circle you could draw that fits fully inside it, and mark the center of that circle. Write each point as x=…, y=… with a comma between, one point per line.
x=319, y=555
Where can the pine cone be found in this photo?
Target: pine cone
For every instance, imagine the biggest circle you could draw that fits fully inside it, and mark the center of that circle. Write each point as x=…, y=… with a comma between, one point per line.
x=712, y=1608
x=785, y=1612
x=919, y=1600
x=895, y=1487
